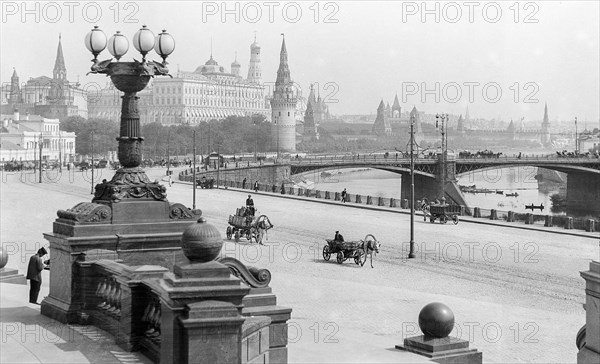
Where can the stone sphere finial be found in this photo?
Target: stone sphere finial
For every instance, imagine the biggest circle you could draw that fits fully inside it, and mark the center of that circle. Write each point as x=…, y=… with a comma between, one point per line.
x=3, y=257
x=436, y=320
x=201, y=242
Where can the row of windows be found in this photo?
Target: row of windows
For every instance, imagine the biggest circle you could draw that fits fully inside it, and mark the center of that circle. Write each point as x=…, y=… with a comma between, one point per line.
x=206, y=102
x=52, y=144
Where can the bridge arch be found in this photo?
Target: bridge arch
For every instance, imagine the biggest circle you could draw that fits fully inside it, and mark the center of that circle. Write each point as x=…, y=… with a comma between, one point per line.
x=298, y=170
x=565, y=168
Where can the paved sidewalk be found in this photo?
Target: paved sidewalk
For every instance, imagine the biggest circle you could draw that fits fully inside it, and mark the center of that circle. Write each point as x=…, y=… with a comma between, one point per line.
x=29, y=337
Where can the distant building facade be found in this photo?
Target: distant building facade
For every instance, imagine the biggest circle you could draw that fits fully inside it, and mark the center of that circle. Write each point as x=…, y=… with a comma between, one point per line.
x=50, y=97
x=20, y=137
x=207, y=93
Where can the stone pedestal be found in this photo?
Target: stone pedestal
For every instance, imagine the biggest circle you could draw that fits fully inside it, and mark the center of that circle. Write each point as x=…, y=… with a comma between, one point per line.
x=493, y=214
x=548, y=222
x=138, y=232
x=589, y=344
x=9, y=275
x=201, y=314
x=442, y=350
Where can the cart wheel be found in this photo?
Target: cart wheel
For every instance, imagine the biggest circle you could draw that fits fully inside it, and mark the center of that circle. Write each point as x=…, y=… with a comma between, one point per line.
x=228, y=233
x=340, y=257
x=455, y=219
x=326, y=252
x=236, y=235
x=443, y=219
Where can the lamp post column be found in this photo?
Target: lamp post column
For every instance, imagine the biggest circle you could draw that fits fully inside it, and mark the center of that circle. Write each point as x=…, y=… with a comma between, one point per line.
x=411, y=254
x=576, y=138
x=41, y=147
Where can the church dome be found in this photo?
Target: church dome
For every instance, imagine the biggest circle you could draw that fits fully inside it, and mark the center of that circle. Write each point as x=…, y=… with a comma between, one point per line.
x=211, y=62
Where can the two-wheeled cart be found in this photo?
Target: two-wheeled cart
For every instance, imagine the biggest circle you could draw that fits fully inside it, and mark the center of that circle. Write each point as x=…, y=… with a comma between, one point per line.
x=444, y=212
x=344, y=250
x=244, y=223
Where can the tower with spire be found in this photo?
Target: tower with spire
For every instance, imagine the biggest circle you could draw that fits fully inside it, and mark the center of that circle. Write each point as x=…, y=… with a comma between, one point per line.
x=319, y=107
x=254, y=70
x=545, y=137
x=396, y=108
x=414, y=113
x=235, y=67
x=460, y=126
x=14, y=96
x=382, y=125
x=60, y=70
x=283, y=105
x=310, y=127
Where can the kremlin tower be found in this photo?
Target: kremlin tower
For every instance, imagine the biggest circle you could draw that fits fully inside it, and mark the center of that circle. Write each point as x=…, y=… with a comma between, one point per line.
x=283, y=106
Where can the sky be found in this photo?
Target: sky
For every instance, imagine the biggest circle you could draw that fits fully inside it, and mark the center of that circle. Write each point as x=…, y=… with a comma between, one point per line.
x=501, y=59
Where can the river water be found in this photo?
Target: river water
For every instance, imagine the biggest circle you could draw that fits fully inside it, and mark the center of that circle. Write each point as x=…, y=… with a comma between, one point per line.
x=378, y=183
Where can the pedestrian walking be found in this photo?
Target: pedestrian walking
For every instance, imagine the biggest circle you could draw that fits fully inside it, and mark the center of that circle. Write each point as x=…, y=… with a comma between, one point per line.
x=170, y=181
x=34, y=274
x=344, y=194
x=256, y=186
x=244, y=184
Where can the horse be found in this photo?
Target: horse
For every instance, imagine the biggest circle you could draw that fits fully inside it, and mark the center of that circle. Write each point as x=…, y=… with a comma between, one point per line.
x=262, y=225
x=369, y=247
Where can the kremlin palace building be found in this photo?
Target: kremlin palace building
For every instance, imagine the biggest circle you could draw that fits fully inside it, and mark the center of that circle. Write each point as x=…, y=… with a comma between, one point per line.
x=209, y=92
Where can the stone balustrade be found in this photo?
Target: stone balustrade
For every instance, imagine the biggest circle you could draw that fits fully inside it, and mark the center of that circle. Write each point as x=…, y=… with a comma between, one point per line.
x=145, y=308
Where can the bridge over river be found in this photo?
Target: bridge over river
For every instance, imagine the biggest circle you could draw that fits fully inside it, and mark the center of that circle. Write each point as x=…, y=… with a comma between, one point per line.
x=435, y=177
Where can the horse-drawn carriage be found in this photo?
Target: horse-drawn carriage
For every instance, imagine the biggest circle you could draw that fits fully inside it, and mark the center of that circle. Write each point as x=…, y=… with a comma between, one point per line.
x=206, y=183
x=244, y=223
x=444, y=212
x=356, y=250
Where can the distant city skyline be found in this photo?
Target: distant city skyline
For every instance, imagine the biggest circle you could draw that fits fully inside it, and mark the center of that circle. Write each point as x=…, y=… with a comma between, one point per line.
x=372, y=52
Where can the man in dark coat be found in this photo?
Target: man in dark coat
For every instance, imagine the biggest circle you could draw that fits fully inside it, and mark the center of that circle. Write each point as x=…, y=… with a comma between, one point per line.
x=250, y=205
x=34, y=274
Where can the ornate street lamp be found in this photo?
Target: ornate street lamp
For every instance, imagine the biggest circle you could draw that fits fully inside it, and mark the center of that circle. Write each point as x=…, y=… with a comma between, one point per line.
x=130, y=181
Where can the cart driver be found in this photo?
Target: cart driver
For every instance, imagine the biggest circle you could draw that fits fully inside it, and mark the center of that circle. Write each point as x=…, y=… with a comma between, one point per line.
x=250, y=205
x=338, y=237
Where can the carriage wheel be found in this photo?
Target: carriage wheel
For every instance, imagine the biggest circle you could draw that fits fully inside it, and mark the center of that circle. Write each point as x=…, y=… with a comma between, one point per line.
x=236, y=235
x=326, y=252
x=358, y=257
x=228, y=233
x=340, y=257
x=455, y=219
x=443, y=219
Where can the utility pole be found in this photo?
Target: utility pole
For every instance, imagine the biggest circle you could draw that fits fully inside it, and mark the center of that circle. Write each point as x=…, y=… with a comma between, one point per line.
x=92, y=189
x=443, y=118
x=168, y=155
x=576, y=138
x=41, y=146
x=411, y=254
x=194, y=174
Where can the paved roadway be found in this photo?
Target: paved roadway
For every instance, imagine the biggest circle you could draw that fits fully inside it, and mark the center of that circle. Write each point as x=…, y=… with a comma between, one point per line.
x=516, y=294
